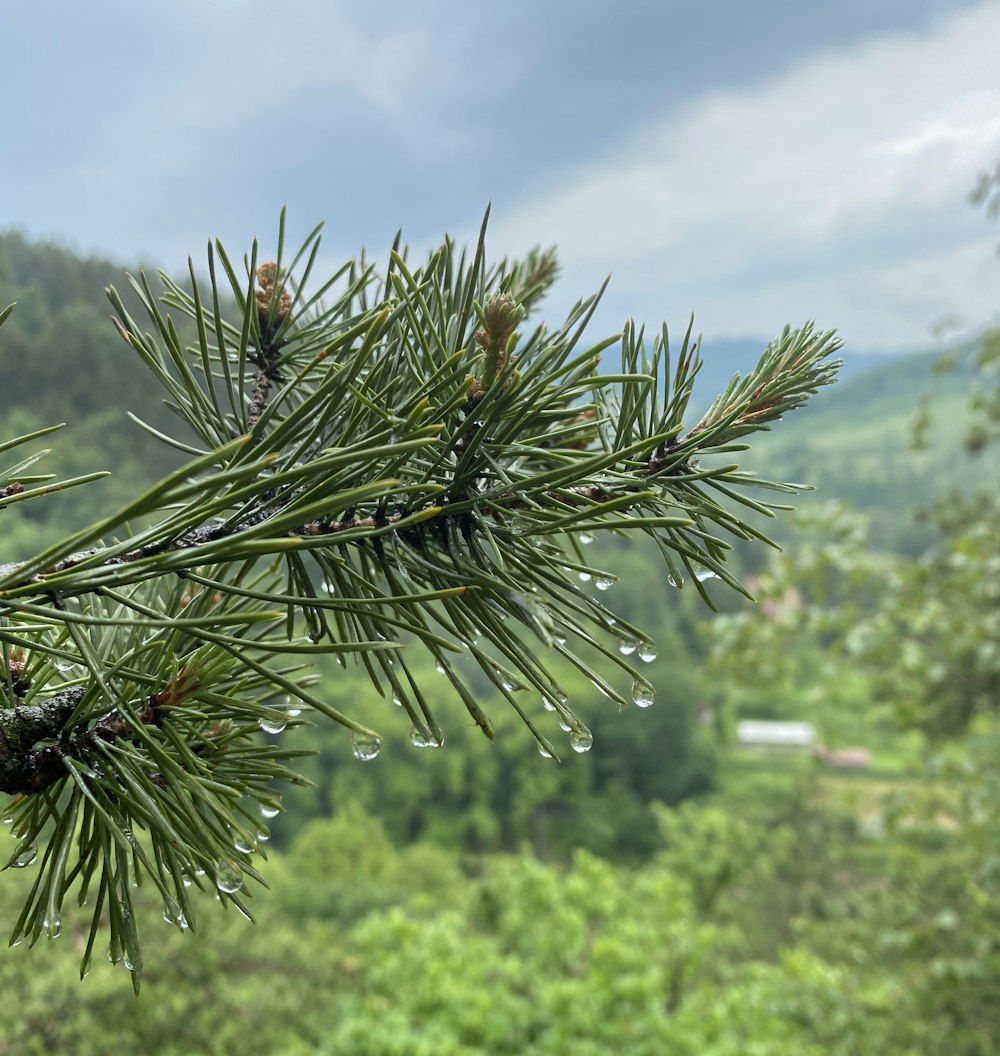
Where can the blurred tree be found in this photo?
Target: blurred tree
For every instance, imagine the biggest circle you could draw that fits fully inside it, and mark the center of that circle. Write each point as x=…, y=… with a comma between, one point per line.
x=851, y=629
x=383, y=461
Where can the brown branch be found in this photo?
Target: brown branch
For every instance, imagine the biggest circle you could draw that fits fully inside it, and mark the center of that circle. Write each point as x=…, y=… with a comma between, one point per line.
x=321, y=527
x=267, y=371
x=26, y=769
x=22, y=767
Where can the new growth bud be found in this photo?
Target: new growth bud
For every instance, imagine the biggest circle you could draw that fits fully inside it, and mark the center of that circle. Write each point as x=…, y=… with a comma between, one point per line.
x=271, y=289
x=496, y=336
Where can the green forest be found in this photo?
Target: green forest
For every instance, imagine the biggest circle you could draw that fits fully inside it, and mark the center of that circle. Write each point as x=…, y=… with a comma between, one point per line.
x=667, y=890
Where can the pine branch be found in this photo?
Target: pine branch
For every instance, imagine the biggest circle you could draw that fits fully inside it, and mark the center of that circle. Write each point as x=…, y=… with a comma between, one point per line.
x=383, y=462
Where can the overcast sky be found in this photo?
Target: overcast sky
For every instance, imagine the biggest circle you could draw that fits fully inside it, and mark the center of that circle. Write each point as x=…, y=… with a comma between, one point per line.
x=757, y=163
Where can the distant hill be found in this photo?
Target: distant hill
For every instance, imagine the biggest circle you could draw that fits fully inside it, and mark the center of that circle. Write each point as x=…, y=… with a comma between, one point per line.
x=59, y=344
x=855, y=442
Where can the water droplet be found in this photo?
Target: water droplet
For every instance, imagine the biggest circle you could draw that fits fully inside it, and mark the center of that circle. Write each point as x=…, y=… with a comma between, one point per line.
x=328, y=588
x=647, y=652
x=52, y=927
x=127, y=961
x=397, y=700
x=603, y=583
x=26, y=857
x=244, y=844
x=63, y=668
x=439, y=668
x=581, y=740
x=585, y=538
x=508, y=685
x=173, y=914
x=627, y=646
x=643, y=693
x=263, y=836
x=560, y=638
x=228, y=876
x=673, y=580
x=547, y=704
x=271, y=809
x=564, y=725
x=293, y=713
x=705, y=573
x=273, y=723
x=543, y=751
x=365, y=747
x=584, y=577
x=421, y=737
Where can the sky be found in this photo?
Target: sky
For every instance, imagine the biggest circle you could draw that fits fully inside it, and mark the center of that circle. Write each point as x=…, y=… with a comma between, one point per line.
x=756, y=163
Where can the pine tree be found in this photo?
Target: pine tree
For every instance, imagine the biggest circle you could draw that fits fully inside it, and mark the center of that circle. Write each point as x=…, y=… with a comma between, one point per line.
x=387, y=463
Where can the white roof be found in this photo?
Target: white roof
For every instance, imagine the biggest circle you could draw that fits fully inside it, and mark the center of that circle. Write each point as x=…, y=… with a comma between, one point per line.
x=757, y=731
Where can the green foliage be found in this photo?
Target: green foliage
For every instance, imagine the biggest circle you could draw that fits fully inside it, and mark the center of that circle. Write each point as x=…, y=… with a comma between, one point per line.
x=987, y=191
x=525, y=957
x=942, y=624
x=361, y=954
x=913, y=917
x=790, y=657
x=484, y=796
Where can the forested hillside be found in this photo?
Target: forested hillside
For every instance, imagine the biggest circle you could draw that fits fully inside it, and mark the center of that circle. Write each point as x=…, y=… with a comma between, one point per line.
x=61, y=361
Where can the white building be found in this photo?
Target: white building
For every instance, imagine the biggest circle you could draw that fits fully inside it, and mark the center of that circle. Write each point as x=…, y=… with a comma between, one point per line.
x=761, y=734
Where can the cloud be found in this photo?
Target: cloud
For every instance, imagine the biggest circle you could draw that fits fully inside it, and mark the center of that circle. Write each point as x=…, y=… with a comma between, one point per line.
x=141, y=131
x=836, y=191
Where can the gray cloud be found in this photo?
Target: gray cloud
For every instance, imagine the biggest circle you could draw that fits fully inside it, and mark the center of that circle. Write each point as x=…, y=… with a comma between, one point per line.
x=845, y=176
x=643, y=136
